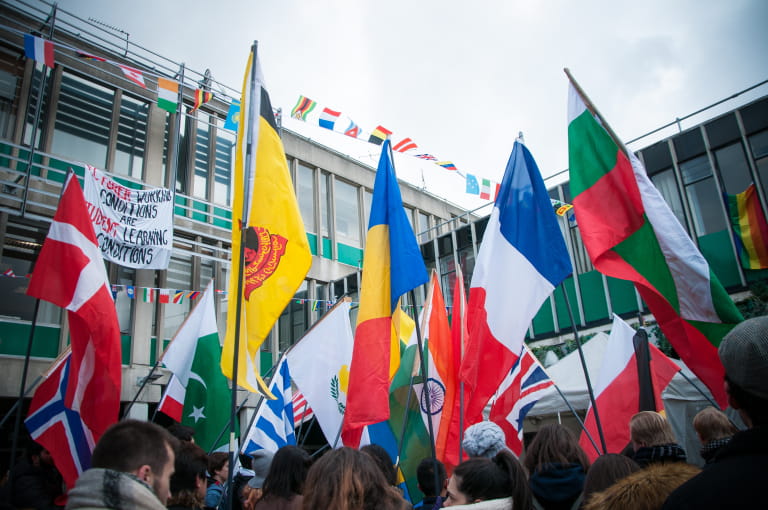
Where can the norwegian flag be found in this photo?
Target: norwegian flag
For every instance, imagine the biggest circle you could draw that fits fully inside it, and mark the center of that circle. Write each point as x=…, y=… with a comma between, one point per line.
x=519, y=392
x=69, y=272
x=301, y=410
x=57, y=427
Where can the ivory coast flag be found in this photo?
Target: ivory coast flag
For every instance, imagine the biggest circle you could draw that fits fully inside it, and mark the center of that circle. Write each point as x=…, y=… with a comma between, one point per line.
x=631, y=233
x=276, y=254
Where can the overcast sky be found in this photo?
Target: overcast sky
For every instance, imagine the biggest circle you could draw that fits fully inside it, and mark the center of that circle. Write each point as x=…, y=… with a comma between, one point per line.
x=463, y=78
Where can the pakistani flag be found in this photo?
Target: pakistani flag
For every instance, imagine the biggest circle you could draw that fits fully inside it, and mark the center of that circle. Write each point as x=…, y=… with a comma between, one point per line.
x=198, y=394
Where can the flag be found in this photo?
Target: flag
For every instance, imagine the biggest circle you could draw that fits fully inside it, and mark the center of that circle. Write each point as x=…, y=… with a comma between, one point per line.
x=88, y=56
x=134, y=75
x=448, y=165
x=485, y=190
x=165, y=295
x=390, y=243
x=115, y=290
x=473, y=188
x=198, y=394
x=496, y=188
x=617, y=389
x=428, y=157
x=9, y=273
x=233, y=116
x=379, y=135
x=39, y=50
x=272, y=427
x=559, y=207
x=303, y=106
x=328, y=118
x=167, y=94
x=201, y=97
x=749, y=228
x=69, y=272
x=58, y=428
x=404, y=145
x=301, y=411
x=277, y=255
x=518, y=393
x=149, y=295
x=352, y=130
x=193, y=294
x=630, y=233
x=320, y=367
x=130, y=291
x=521, y=260
x=178, y=296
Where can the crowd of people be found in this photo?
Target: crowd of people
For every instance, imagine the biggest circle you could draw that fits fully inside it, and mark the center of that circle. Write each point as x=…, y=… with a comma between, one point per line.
x=140, y=465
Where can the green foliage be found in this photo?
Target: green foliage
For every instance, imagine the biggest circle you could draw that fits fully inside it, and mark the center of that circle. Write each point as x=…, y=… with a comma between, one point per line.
x=757, y=304
x=561, y=350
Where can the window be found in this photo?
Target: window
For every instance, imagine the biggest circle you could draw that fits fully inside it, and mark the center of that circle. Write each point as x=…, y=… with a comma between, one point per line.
x=367, y=201
x=347, y=214
x=222, y=172
x=759, y=145
x=293, y=321
x=734, y=171
x=34, y=91
x=667, y=185
x=124, y=304
x=11, y=71
x=179, y=278
x=202, y=153
x=83, y=121
x=703, y=197
x=325, y=205
x=131, y=137
x=305, y=189
x=423, y=228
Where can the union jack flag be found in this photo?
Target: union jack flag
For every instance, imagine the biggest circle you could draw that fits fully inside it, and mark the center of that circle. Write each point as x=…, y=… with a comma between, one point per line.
x=301, y=410
x=59, y=428
x=518, y=393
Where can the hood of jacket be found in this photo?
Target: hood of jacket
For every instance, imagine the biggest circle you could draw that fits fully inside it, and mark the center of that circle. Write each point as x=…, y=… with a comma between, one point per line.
x=106, y=488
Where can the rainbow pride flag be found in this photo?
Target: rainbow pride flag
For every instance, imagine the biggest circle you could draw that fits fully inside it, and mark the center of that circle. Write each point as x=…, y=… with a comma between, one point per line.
x=749, y=228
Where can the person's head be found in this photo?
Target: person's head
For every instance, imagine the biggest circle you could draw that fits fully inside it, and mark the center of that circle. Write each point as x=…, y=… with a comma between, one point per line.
x=348, y=479
x=711, y=423
x=141, y=448
x=218, y=466
x=744, y=354
x=425, y=476
x=383, y=460
x=483, y=439
x=649, y=428
x=188, y=482
x=646, y=489
x=287, y=473
x=482, y=479
x=182, y=432
x=607, y=470
x=261, y=460
x=554, y=444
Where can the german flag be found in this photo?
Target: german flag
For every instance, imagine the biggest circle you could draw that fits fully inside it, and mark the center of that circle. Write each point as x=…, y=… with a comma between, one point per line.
x=201, y=97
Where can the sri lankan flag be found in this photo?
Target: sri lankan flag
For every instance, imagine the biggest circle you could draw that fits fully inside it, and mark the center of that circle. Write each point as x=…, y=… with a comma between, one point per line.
x=266, y=218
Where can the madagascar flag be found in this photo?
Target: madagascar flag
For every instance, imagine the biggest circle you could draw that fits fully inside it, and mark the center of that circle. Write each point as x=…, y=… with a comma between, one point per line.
x=392, y=265
x=749, y=228
x=277, y=255
x=630, y=233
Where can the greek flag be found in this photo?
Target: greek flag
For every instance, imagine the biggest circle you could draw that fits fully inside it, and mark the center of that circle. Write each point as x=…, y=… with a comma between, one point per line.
x=272, y=427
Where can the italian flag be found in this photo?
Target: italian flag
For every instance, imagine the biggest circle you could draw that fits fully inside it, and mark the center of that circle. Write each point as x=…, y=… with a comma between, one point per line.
x=630, y=233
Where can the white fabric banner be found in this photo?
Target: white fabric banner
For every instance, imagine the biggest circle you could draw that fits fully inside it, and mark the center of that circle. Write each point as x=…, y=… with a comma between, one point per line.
x=134, y=228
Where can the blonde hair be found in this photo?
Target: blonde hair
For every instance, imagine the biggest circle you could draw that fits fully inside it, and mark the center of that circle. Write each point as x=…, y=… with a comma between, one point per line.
x=711, y=423
x=649, y=428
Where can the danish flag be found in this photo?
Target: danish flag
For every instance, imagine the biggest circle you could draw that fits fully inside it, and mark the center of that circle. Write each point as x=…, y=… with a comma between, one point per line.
x=70, y=273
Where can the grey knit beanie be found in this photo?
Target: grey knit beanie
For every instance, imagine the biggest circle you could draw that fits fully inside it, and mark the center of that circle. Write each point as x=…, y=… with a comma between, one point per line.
x=483, y=439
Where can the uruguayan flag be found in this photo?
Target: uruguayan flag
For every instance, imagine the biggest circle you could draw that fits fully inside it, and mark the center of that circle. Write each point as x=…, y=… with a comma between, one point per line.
x=272, y=427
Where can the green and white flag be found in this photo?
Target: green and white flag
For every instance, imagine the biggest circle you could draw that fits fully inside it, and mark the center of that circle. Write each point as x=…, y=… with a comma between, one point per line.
x=198, y=394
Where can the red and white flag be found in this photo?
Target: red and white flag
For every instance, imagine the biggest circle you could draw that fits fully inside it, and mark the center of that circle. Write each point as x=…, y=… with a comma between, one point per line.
x=69, y=272
x=301, y=410
x=165, y=295
x=134, y=75
x=617, y=390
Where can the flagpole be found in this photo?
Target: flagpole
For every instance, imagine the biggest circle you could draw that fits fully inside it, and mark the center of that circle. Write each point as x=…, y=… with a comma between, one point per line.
x=141, y=388
x=16, y=404
x=578, y=418
x=462, y=315
x=243, y=226
x=584, y=367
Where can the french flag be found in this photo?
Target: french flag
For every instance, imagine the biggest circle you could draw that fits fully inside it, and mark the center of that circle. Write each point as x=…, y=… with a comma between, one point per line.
x=520, y=262
x=38, y=49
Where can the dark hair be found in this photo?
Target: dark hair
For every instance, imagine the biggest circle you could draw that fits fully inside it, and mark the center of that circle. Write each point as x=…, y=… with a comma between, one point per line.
x=347, y=479
x=191, y=464
x=425, y=475
x=181, y=432
x=753, y=406
x=129, y=444
x=383, y=460
x=287, y=473
x=501, y=477
x=554, y=444
x=607, y=470
x=216, y=461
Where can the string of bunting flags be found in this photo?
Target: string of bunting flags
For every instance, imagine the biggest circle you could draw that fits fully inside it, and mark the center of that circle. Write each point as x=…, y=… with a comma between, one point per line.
x=308, y=110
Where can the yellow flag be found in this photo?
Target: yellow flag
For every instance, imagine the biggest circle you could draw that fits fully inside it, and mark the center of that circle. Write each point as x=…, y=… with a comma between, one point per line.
x=277, y=255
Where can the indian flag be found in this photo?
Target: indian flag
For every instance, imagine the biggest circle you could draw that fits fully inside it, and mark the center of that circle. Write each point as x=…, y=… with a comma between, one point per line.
x=631, y=233
x=167, y=94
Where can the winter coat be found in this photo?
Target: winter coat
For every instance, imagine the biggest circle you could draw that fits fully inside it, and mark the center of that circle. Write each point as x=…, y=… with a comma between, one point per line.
x=557, y=486
x=491, y=504
x=643, y=490
x=736, y=478
x=98, y=489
